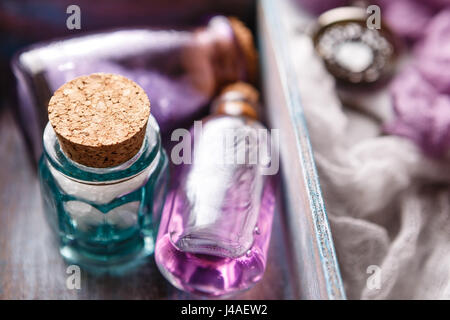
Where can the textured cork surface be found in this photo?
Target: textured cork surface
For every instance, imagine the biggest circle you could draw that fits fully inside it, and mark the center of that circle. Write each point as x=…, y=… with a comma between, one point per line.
x=245, y=41
x=100, y=119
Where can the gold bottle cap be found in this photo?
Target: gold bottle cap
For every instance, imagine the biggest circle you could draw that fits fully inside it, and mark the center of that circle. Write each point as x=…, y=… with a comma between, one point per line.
x=100, y=119
x=238, y=99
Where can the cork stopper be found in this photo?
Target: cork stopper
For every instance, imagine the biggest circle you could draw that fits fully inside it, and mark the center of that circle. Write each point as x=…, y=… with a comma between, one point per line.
x=238, y=99
x=100, y=119
x=244, y=39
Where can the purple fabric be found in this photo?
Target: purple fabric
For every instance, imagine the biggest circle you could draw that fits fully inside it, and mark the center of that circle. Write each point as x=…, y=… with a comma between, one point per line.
x=422, y=113
x=433, y=52
x=421, y=92
x=407, y=18
x=317, y=7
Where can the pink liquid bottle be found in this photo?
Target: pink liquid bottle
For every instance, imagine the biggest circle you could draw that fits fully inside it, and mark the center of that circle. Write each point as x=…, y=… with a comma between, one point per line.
x=216, y=225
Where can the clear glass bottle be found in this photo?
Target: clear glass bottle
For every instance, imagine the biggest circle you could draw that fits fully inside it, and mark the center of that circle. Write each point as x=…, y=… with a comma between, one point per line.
x=107, y=216
x=216, y=225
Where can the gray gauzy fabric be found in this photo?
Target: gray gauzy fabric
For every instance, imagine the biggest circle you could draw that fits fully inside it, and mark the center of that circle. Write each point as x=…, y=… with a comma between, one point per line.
x=388, y=205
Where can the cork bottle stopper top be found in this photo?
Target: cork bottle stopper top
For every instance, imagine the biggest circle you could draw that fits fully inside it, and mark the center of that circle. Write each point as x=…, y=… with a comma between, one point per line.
x=100, y=119
x=238, y=99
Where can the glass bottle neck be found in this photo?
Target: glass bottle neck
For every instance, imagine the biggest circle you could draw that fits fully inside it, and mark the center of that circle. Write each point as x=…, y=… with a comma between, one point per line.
x=148, y=155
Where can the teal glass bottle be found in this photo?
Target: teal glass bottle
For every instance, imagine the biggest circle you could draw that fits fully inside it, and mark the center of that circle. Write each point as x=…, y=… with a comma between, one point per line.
x=104, y=217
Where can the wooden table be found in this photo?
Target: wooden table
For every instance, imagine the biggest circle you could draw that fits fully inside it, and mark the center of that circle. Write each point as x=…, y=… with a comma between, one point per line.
x=32, y=268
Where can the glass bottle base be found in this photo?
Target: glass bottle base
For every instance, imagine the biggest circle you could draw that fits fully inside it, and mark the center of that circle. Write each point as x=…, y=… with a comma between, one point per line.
x=133, y=254
x=208, y=275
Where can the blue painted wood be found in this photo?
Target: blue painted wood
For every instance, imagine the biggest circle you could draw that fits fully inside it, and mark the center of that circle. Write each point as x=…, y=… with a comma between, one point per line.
x=316, y=269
